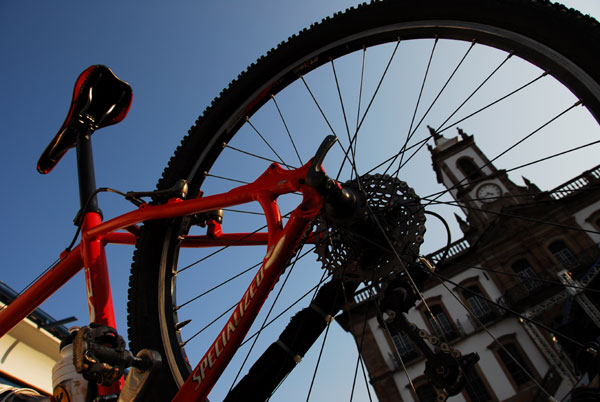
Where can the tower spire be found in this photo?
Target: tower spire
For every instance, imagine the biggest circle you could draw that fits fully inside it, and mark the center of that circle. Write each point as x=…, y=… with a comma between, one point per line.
x=434, y=134
x=531, y=186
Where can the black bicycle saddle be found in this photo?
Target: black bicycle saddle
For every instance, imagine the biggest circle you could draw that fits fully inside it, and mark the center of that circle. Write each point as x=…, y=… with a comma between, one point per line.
x=100, y=99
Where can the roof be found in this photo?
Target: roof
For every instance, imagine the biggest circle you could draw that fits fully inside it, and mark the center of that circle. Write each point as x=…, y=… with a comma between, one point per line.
x=39, y=316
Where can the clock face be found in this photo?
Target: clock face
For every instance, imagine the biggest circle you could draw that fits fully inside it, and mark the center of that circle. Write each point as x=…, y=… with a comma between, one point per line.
x=488, y=192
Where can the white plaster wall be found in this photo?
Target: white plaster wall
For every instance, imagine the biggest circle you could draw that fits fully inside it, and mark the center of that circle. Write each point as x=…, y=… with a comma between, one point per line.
x=582, y=215
x=489, y=365
x=451, y=163
x=451, y=299
x=28, y=354
x=381, y=341
x=477, y=342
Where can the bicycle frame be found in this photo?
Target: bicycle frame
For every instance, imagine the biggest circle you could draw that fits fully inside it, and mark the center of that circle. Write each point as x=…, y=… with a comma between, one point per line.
x=281, y=242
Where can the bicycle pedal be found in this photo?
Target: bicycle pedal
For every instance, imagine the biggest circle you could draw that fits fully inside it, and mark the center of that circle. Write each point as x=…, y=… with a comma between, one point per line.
x=99, y=354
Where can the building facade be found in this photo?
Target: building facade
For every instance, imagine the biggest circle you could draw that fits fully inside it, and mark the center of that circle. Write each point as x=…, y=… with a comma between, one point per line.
x=498, y=290
x=29, y=351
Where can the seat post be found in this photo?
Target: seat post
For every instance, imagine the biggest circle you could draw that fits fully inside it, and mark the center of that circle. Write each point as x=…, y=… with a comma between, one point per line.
x=85, y=170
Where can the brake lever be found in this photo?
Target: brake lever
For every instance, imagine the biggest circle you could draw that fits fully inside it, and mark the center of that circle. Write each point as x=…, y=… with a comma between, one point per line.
x=179, y=190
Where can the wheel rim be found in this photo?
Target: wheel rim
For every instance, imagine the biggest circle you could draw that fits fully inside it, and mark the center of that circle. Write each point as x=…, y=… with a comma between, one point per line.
x=575, y=78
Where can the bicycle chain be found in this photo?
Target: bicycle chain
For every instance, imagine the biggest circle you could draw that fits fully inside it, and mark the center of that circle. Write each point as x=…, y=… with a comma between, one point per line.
x=445, y=365
x=442, y=395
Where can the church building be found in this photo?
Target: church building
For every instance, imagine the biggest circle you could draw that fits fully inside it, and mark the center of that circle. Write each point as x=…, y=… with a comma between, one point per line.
x=502, y=295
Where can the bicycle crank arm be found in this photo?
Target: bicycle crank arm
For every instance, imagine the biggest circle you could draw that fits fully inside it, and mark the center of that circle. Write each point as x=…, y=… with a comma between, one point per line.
x=138, y=380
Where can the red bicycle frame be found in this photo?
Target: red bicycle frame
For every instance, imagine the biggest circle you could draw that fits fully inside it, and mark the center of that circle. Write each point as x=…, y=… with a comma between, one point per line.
x=281, y=242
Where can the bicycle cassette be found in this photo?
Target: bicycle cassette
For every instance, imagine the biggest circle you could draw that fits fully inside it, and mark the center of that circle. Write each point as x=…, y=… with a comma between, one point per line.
x=384, y=232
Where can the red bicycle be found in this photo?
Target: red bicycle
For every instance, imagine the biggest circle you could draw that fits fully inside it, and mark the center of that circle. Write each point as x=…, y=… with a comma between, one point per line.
x=363, y=226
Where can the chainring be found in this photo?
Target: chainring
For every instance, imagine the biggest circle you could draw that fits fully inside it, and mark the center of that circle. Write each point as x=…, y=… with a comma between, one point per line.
x=368, y=253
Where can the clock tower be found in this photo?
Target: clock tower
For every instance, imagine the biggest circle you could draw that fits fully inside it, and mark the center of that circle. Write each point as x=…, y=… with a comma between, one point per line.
x=477, y=186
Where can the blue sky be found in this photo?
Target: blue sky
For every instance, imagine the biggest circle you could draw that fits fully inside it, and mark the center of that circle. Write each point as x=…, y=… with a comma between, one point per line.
x=176, y=58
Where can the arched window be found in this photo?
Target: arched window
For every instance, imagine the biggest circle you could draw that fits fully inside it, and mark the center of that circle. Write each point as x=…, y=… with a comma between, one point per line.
x=514, y=361
x=563, y=255
x=426, y=393
x=438, y=320
x=527, y=274
x=406, y=349
x=475, y=388
x=478, y=304
x=468, y=168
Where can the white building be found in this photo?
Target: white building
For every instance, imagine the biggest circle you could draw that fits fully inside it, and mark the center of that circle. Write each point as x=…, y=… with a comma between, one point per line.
x=509, y=258
x=28, y=352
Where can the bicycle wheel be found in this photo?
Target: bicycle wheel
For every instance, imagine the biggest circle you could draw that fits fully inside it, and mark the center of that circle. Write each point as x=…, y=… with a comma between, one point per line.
x=374, y=76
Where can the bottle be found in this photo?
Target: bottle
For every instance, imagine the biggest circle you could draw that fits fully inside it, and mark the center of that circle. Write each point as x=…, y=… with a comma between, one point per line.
x=68, y=385
x=12, y=394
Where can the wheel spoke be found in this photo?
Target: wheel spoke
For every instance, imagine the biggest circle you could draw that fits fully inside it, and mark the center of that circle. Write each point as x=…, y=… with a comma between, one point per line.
x=239, y=211
x=287, y=130
x=395, y=349
x=508, y=95
x=353, y=143
x=265, y=141
x=312, y=381
x=182, y=344
x=323, y=114
x=412, y=121
x=412, y=130
x=360, y=344
x=217, y=286
x=486, y=329
x=319, y=107
x=339, y=92
x=464, y=181
x=513, y=216
x=323, y=82
x=254, y=155
x=364, y=116
x=441, y=91
x=403, y=267
x=226, y=178
x=528, y=278
x=504, y=308
x=476, y=90
x=553, y=156
x=263, y=325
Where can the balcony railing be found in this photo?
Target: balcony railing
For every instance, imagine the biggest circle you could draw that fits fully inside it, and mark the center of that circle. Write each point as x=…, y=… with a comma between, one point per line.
x=365, y=294
x=455, y=249
x=575, y=184
x=588, y=261
x=528, y=287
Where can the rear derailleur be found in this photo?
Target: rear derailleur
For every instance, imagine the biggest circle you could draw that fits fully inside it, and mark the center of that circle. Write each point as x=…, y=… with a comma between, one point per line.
x=446, y=367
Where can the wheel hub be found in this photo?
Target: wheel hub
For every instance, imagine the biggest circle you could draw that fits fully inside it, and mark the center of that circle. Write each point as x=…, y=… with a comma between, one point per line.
x=384, y=231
